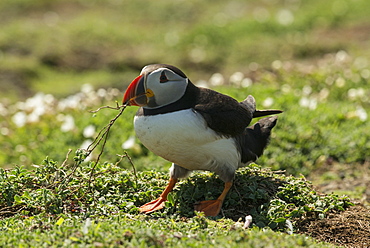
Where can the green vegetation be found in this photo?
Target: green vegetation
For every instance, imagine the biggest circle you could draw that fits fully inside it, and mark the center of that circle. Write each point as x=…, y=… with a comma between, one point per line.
x=59, y=59
x=140, y=231
x=270, y=198
x=67, y=205
x=56, y=46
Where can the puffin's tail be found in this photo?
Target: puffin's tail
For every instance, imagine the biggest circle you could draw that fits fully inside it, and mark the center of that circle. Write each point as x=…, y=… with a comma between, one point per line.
x=250, y=104
x=255, y=139
x=260, y=113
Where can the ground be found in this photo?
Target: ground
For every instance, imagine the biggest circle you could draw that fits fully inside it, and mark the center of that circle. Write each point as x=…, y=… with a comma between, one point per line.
x=350, y=228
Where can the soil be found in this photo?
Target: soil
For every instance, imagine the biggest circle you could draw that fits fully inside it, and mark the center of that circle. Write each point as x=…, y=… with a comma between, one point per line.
x=350, y=228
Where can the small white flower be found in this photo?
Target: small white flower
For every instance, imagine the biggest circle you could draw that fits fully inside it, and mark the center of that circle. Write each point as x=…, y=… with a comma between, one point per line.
x=20, y=105
x=352, y=94
x=277, y=64
x=33, y=117
x=309, y=103
x=217, y=79
x=130, y=143
x=246, y=82
x=341, y=56
x=360, y=92
x=34, y=102
x=236, y=78
x=324, y=93
x=87, y=88
x=89, y=131
x=4, y=131
x=19, y=119
x=286, y=88
x=306, y=90
x=60, y=117
x=114, y=92
x=248, y=221
x=304, y=102
x=102, y=93
x=238, y=224
x=268, y=102
x=85, y=144
x=72, y=102
x=361, y=113
x=313, y=104
x=49, y=99
x=20, y=148
x=340, y=82
x=285, y=17
x=68, y=124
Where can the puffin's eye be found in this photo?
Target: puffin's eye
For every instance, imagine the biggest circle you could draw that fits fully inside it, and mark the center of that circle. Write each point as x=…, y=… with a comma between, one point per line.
x=163, y=78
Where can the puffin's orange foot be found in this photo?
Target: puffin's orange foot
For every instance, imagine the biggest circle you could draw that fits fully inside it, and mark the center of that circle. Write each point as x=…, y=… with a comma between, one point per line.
x=152, y=206
x=209, y=208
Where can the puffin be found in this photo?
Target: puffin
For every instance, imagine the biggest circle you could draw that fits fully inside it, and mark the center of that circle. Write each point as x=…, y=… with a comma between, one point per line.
x=195, y=128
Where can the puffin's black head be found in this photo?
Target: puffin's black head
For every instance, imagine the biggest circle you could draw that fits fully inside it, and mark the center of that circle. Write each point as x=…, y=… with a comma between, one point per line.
x=158, y=85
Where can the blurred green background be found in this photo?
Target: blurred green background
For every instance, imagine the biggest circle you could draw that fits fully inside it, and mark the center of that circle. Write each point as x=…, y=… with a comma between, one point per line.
x=57, y=46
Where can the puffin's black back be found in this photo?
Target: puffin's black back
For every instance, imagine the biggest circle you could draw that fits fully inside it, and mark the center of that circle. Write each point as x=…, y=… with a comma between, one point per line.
x=223, y=114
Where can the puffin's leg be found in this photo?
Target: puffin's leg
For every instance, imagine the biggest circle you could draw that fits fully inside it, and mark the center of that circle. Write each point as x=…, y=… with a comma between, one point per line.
x=213, y=207
x=176, y=172
x=159, y=203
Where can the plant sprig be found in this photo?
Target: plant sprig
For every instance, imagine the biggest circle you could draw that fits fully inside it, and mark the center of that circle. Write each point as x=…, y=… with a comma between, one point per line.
x=101, y=138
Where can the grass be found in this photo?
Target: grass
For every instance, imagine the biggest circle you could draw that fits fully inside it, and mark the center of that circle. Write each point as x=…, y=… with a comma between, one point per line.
x=129, y=231
x=81, y=204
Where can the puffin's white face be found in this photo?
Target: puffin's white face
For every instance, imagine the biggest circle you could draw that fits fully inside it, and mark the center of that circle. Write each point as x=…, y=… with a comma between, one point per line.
x=167, y=87
x=155, y=89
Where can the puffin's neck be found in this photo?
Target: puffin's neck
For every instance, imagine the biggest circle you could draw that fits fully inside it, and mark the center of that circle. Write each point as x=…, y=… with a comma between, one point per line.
x=187, y=101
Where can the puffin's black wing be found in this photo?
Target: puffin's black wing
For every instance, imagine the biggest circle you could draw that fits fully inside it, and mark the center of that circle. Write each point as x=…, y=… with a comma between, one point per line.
x=224, y=114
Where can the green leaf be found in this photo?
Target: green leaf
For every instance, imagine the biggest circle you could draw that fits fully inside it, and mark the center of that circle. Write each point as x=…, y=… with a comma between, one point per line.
x=171, y=199
x=60, y=221
x=26, y=194
x=281, y=219
x=74, y=239
x=18, y=199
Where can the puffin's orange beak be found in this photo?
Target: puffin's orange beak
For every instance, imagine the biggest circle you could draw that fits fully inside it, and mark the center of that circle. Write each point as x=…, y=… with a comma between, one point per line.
x=136, y=95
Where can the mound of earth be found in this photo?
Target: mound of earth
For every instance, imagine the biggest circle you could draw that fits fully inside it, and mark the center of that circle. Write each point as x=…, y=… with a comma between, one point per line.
x=350, y=228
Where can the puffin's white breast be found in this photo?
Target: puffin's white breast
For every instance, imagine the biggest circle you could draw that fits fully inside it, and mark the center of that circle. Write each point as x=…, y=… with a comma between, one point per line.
x=183, y=137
